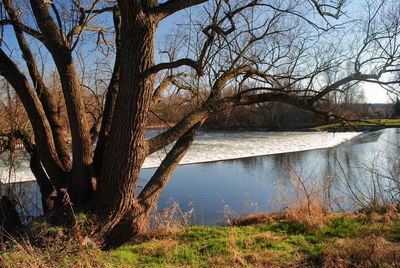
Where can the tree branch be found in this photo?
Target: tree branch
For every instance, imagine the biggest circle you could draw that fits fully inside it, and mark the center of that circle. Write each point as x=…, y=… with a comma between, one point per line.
x=175, y=64
x=150, y=193
x=111, y=96
x=42, y=91
x=322, y=13
x=160, y=89
x=32, y=32
x=343, y=81
x=51, y=33
x=172, y=6
x=37, y=117
x=160, y=141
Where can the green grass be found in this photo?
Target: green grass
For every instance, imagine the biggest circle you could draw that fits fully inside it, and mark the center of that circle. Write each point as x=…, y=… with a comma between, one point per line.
x=369, y=123
x=272, y=244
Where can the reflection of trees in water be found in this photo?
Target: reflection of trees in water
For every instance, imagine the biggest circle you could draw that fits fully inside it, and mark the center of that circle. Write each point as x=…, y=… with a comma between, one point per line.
x=367, y=171
x=251, y=163
x=329, y=166
x=280, y=165
x=307, y=164
x=281, y=161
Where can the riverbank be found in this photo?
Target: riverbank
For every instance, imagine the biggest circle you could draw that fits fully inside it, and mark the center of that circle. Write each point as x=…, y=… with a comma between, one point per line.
x=368, y=239
x=362, y=125
x=351, y=125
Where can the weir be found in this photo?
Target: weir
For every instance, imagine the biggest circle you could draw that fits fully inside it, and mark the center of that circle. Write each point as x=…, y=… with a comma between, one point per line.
x=212, y=146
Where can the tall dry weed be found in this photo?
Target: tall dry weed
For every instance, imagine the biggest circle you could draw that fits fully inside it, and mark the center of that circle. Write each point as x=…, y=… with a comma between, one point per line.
x=170, y=219
x=310, y=203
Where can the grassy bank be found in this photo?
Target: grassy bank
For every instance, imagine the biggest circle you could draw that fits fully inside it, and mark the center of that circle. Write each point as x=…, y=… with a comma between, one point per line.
x=345, y=240
x=360, y=125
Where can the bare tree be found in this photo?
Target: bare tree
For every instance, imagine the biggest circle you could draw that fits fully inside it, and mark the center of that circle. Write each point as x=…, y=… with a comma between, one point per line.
x=266, y=51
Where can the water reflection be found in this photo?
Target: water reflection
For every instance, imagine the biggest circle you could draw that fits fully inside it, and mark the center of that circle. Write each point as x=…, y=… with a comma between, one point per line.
x=255, y=184
x=237, y=183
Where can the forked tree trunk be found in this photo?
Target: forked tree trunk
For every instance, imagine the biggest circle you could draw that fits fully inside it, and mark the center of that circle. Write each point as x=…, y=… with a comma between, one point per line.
x=126, y=147
x=135, y=221
x=42, y=91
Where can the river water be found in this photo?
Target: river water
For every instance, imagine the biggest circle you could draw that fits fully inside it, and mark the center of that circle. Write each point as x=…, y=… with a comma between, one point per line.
x=262, y=166
x=261, y=183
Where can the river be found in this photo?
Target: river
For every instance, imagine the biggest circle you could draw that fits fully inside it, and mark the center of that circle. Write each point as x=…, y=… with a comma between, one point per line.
x=250, y=172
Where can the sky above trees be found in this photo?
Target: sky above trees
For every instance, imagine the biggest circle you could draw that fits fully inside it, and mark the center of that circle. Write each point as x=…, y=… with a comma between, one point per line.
x=355, y=9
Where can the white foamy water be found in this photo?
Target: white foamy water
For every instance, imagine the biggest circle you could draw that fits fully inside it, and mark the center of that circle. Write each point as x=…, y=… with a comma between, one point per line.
x=216, y=146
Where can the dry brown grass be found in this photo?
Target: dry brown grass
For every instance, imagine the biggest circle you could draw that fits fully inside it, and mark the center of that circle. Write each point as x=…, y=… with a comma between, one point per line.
x=24, y=254
x=307, y=199
x=362, y=252
x=43, y=245
x=169, y=220
x=311, y=212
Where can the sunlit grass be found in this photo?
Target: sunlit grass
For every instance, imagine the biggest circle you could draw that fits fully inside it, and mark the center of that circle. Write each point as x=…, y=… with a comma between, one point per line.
x=275, y=243
x=360, y=124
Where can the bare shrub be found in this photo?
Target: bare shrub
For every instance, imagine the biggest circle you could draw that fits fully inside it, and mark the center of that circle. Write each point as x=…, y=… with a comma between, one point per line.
x=231, y=216
x=30, y=255
x=311, y=203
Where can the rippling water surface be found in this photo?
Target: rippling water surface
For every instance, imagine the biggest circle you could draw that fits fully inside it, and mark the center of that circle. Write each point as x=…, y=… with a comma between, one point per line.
x=254, y=182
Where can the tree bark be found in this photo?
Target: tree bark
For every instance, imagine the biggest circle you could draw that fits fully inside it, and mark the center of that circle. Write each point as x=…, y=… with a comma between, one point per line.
x=126, y=147
x=80, y=183
x=111, y=96
x=134, y=221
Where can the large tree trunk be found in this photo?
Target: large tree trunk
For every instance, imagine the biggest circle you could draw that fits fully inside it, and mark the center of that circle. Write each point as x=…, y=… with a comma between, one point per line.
x=135, y=221
x=126, y=147
x=111, y=96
